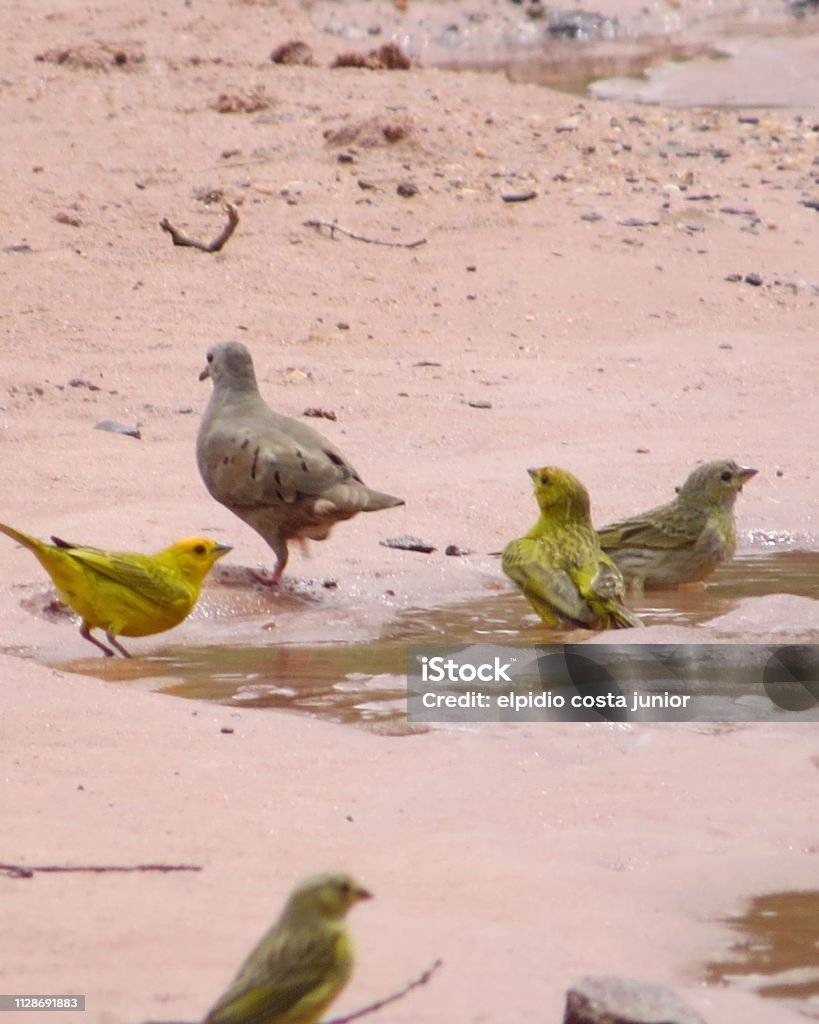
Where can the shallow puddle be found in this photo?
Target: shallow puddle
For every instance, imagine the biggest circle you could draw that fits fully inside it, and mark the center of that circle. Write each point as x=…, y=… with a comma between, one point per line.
x=365, y=683
x=775, y=953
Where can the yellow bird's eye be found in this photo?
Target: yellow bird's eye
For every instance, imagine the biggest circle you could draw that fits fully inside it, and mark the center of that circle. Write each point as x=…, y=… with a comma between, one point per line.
x=199, y=549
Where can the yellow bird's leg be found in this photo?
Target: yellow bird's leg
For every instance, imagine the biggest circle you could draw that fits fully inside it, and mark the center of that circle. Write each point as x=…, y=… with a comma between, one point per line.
x=115, y=643
x=85, y=633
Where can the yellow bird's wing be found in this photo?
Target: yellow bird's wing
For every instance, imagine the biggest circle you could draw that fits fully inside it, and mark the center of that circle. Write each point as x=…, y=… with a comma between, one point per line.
x=290, y=986
x=546, y=584
x=142, y=574
x=652, y=530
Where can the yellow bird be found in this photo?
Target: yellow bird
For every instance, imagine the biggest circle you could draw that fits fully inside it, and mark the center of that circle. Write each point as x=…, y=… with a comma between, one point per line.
x=559, y=565
x=301, y=964
x=125, y=594
x=685, y=540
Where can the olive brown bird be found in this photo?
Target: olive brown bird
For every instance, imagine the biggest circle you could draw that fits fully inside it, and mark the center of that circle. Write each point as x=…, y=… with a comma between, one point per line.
x=279, y=476
x=301, y=964
x=559, y=565
x=123, y=593
x=685, y=540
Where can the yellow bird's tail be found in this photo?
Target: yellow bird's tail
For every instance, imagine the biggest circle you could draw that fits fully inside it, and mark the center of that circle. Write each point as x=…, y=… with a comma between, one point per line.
x=23, y=538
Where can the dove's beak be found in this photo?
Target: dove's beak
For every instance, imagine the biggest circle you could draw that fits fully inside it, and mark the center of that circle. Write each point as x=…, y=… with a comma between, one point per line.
x=205, y=373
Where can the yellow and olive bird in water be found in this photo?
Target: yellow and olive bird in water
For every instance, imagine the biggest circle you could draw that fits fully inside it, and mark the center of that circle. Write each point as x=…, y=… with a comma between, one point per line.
x=685, y=540
x=559, y=565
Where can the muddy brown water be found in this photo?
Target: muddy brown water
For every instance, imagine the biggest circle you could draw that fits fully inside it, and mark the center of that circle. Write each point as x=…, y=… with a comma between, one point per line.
x=364, y=683
x=775, y=948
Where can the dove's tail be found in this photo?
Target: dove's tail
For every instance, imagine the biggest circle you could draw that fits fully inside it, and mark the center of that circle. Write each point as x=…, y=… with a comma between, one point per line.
x=376, y=501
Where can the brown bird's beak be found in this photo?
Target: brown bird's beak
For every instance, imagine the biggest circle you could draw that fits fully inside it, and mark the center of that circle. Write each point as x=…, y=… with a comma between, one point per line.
x=532, y=473
x=205, y=373
x=363, y=894
x=745, y=474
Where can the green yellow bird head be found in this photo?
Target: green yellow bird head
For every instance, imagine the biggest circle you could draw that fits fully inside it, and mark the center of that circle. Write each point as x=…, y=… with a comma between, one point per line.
x=716, y=483
x=194, y=557
x=328, y=895
x=559, y=494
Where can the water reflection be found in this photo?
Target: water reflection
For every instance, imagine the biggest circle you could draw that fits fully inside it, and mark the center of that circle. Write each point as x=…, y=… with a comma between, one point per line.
x=364, y=683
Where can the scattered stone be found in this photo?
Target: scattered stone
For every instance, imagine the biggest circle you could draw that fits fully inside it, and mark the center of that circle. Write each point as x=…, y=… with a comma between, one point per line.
x=346, y=158
x=581, y=24
x=520, y=197
x=427, y=362
x=591, y=216
x=812, y=204
x=23, y=247
x=389, y=57
x=753, y=279
x=456, y=551
x=613, y=1000
x=294, y=52
x=733, y=278
x=407, y=189
x=79, y=382
x=93, y=57
x=371, y=132
x=636, y=222
x=366, y=186
x=226, y=730
x=329, y=583
x=242, y=103
x=479, y=403
x=324, y=414
x=407, y=543
x=68, y=218
x=739, y=211
x=113, y=427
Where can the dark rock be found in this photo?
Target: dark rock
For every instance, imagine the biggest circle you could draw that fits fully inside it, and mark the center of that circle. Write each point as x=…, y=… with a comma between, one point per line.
x=605, y=999
x=407, y=543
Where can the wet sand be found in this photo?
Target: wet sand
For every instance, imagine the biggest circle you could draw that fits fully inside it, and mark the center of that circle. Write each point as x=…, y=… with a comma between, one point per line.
x=600, y=327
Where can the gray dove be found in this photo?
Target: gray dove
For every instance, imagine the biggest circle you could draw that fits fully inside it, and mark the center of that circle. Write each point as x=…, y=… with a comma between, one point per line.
x=278, y=475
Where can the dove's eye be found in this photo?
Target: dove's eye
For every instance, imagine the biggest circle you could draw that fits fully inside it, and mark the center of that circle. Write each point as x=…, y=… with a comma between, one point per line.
x=210, y=357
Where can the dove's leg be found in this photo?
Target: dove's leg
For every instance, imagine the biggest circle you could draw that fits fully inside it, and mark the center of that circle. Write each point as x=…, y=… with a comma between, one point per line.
x=85, y=633
x=279, y=547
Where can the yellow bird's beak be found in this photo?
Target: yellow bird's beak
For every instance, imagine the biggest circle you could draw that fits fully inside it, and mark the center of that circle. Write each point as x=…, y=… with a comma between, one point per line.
x=222, y=549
